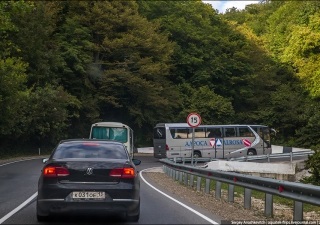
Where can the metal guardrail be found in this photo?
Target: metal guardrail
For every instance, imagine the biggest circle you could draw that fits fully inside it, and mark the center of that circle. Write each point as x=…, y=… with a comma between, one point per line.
x=273, y=156
x=298, y=192
x=290, y=155
x=188, y=159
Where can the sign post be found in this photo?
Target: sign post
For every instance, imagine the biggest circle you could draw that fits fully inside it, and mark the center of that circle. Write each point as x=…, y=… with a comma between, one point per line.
x=193, y=121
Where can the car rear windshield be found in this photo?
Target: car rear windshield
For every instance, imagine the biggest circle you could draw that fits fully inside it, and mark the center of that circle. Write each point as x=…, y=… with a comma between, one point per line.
x=90, y=150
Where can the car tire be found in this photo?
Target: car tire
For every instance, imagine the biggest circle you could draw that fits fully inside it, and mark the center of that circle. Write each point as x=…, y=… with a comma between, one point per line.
x=196, y=155
x=42, y=218
x=251, y=152
x=136, y=217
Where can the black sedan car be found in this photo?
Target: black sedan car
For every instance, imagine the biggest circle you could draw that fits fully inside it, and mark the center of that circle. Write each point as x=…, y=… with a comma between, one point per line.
x=89, y=176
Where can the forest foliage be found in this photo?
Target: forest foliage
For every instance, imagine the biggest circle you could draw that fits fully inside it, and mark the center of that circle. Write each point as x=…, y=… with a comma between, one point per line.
x=67, y=64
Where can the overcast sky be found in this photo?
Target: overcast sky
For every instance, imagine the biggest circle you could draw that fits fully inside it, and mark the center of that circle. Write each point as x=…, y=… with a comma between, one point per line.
x=223, y=5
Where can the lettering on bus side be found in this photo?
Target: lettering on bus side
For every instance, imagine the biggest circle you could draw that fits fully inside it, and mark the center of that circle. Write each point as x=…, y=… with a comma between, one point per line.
x=196, y=143
x=233, y=142
x=205, y=143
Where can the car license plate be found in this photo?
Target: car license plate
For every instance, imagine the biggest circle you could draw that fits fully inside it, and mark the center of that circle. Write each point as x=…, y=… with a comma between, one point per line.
x=88, y=195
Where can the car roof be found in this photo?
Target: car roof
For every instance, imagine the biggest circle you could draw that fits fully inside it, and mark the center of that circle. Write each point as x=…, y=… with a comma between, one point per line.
x=90, y=140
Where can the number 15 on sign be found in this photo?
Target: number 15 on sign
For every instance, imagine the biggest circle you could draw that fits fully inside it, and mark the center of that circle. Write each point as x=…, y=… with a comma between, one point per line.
x=194, y=119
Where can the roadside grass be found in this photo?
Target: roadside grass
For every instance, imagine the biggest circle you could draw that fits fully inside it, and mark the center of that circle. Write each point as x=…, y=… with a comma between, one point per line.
x=261, y=195
x=239, y=192
x=6, y=154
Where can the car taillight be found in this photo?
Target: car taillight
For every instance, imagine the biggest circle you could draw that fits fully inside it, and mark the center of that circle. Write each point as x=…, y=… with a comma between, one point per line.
x=55, y=171
x=123, y=172
x=167, y=147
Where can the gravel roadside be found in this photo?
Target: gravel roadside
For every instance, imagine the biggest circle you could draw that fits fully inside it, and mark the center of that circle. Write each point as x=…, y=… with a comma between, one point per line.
x=228, y=211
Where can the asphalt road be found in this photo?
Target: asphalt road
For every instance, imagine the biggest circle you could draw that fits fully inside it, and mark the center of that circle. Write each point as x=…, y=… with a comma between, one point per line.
x=18, y=183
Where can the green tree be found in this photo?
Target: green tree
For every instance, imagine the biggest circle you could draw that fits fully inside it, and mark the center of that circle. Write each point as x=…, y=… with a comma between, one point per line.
x=130, y=64
x=313, y=166
x=76, y=72
x=13, y=94
x=49, y=113
x=36, y=24
x=208, y=51
x=213, y=108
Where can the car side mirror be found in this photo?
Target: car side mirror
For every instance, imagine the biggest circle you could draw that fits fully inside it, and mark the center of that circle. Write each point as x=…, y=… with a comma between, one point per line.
x=136, y=161
x=45, y=160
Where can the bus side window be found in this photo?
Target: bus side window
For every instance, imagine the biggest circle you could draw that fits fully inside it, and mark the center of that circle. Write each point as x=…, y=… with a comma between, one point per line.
x=245, y=132
x=229, y=132
x=180, y=133
x=214, y=132
x=199, y=133
x=173, y=133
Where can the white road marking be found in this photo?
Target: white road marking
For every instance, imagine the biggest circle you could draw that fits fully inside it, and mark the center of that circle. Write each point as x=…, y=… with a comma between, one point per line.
x=26, y=202
x=180, y=203
x=18, y=161
x=14, y=211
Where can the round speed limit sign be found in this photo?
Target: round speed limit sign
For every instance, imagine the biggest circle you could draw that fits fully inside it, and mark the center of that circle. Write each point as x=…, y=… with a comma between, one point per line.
x=194, y=119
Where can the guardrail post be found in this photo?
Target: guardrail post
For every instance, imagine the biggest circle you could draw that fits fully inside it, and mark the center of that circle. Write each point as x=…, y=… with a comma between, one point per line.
x=247, y=198
x=191, y=180
x=183, y=160
x=230, y=193
x=199, y=184
x=268, y=157
x=176, y=175
x=268, y=205
x=185, y=179
x=291, y=156
x=218, y=190
x=207, y=190
x=309, y=194
x=180, y=177
x=298, y=211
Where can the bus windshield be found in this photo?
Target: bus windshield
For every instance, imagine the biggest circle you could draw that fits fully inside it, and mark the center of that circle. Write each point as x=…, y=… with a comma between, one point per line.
x=111, y=133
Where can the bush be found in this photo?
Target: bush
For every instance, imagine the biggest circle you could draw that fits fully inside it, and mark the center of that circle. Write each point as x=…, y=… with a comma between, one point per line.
x=313, y=166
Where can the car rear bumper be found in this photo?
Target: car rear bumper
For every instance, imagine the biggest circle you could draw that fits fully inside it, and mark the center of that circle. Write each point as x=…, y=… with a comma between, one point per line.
x=47, y=207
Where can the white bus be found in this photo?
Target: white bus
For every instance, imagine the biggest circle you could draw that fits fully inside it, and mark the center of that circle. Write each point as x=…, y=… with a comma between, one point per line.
x=174, y=140
x=113, y=131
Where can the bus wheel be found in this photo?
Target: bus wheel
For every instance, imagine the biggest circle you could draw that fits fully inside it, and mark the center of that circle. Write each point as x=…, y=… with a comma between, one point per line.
x=196, y=155
x=251, y=152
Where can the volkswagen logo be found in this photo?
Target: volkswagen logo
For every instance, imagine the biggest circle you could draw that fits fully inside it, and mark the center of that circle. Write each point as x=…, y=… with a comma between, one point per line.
x=89, y=171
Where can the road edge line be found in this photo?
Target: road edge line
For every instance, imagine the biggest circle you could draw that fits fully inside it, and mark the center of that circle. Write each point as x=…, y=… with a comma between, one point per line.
x=14, y=211
x=175, y=200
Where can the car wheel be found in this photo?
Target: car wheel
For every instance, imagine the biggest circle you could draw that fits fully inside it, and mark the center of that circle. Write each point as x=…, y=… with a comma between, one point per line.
x=251, y=152
x=134, y=218
x=196, y=155
x=42, y=218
